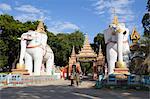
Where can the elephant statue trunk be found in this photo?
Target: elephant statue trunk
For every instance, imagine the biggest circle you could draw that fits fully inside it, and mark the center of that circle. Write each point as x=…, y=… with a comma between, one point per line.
x=22, y=52
x=120, y=63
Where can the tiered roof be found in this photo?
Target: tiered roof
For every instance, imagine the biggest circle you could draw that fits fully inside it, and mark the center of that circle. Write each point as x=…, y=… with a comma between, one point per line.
x=100, y=51
x=73, y=54
x=87, y=51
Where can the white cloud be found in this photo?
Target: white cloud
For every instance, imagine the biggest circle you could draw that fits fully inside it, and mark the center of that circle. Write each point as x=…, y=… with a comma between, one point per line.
x=58, y=27
x=31, y=17
x=4, y=6
x=31, y=13
x=26, y=17
x=122, y=8
x=28, y=9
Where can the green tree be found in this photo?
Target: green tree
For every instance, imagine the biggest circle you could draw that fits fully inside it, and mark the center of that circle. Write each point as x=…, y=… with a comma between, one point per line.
x=99, y=39
x=141, y=65
x=146, y=24
x=146, y=21
x=62, y=44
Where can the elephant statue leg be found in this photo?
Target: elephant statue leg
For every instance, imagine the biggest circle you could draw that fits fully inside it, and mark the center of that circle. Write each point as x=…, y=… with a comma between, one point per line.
x=28, y=63
x=111, y=58
x=37, y=66
x=49, y=65
x=37, y=57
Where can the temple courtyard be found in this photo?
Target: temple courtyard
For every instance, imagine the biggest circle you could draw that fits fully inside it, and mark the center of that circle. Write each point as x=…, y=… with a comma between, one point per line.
x=61, y=89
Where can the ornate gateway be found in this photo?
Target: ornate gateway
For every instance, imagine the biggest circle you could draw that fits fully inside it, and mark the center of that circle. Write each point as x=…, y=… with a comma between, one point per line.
x=87, y=55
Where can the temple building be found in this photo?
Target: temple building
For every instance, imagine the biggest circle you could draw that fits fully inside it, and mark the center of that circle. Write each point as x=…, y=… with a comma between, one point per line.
x=87, y=54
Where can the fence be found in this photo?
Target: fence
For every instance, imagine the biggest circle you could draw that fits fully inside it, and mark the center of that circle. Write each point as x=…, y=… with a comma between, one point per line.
x=131, y=80
x=11, y=80
x=112, y=79
x=134, y=79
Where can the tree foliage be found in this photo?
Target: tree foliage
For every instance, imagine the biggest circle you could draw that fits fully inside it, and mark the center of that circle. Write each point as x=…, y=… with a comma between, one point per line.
x=62, y=45
x=140, y=64
x=146, y=21
x=99, y=40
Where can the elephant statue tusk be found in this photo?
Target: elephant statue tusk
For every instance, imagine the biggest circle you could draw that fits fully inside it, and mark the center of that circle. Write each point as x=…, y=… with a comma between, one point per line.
x=19, y=38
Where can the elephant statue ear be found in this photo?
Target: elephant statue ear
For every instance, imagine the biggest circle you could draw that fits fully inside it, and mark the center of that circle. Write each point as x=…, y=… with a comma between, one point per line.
x=107, y=35
x=40, y=28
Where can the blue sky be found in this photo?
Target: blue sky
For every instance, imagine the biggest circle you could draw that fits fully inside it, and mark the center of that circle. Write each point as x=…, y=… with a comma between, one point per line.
x=88, y=16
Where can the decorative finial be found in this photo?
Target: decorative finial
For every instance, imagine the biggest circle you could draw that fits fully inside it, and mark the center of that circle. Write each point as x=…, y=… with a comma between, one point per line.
x=115, y=20
x=73, y=52
x=40, y=27
x=135, y=36
x=100, y=50
x=86, y=41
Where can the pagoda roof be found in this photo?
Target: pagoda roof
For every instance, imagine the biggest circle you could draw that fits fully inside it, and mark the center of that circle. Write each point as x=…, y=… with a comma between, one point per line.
x=73, y=54
x=135, y=35
x=86, y=50
x=100, y=51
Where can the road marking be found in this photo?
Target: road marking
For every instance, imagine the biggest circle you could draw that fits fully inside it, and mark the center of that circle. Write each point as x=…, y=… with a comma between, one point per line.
x=87, y=96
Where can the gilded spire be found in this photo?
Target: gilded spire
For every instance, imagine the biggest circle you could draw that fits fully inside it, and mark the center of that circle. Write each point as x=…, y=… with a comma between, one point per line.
x=135, y=36
x=73, y=54
x=40, y=27
x=115, y=20
x=86, y=41
x=100, y=51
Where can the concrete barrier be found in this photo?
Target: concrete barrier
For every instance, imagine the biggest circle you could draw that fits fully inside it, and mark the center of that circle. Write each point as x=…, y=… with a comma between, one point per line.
x=3, y=79
x=12, y=80
x=146, y=80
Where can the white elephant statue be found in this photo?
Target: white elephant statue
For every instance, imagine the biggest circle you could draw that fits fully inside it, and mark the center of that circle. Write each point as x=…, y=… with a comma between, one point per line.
x=35, y=52
x=117, y=46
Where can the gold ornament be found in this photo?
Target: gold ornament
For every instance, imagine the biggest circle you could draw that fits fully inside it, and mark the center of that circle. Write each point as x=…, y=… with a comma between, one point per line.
x=135, y=36
x=115, y=20
x=120, y=64
x=40, y=27
x=20, y=66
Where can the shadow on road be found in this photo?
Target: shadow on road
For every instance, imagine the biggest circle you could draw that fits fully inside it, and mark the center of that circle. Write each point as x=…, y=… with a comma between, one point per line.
x=69, y=92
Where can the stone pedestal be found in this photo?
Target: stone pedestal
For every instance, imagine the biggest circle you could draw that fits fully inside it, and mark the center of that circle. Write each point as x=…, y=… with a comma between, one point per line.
x=121, y=71
x=121, y=68
x=20, y=69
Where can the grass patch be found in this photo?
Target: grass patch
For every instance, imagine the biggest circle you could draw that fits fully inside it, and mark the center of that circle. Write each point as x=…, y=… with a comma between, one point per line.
x=5, y=72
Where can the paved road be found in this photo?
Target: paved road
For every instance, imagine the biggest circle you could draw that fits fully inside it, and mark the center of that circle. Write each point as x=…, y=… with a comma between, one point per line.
x=61, y=90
